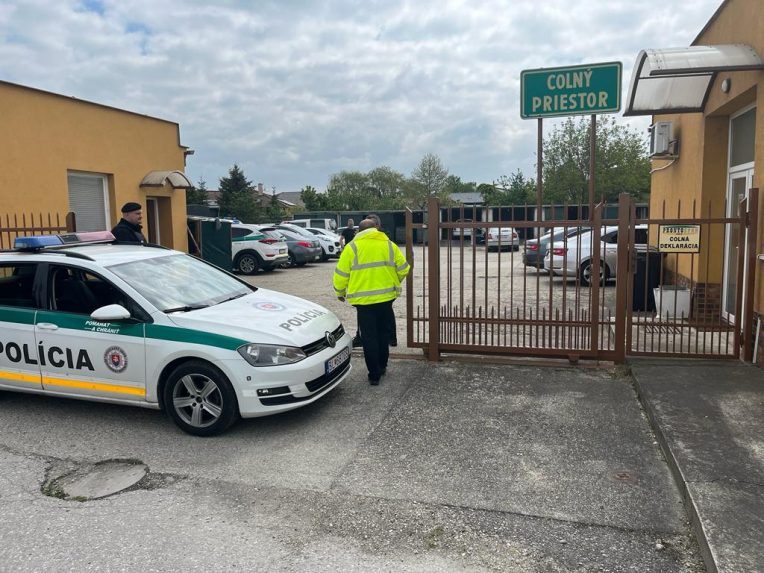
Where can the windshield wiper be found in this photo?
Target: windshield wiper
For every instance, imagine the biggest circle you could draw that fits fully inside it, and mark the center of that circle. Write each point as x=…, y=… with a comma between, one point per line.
x=186, y=308
x=234, y=297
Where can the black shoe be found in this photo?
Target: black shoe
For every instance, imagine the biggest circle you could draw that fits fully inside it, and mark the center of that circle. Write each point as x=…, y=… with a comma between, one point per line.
x=393, y=343
x=357, y=343
x=373, y=381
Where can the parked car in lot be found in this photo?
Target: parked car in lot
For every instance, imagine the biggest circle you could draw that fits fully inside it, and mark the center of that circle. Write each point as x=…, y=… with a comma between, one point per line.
x=330, y=242
x=328, y=224
x=502, y=238
x=302, y=246
x=572, y=257
x=251, y=249
x=465, y=232
x=534, y=250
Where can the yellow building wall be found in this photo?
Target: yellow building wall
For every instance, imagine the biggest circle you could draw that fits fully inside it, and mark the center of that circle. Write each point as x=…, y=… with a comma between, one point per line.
x=700, y=174
x=45, y=136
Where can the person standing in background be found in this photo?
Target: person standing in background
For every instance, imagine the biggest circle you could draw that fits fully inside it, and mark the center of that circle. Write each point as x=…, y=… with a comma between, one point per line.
x=128, y=230
x=348, y=233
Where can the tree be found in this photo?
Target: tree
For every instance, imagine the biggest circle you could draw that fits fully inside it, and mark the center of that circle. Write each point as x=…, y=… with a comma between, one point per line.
x=273, y=212
x=236, y=198
x=313, y=200
x=454, y=184
x=622, y=163
x=386, y=188
x=348, y=191
x=197, y=195
x=510, y=190
x=427, y=180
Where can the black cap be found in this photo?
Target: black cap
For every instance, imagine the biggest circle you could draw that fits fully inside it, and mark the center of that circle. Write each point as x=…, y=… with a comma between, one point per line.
x=130, y=207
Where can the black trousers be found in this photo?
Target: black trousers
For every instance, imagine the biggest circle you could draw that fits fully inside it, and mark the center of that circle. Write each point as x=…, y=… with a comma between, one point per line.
x=374, y=320
x=391, y=327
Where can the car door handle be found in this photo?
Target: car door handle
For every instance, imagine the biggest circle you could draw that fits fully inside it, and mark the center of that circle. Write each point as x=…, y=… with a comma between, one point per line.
x=47, y=326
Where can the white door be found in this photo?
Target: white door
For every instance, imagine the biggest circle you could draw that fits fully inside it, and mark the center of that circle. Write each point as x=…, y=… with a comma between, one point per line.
x=740, y=179
x=737, y=189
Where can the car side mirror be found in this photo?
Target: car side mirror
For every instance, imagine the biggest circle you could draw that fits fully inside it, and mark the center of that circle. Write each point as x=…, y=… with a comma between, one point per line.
x=110, y=312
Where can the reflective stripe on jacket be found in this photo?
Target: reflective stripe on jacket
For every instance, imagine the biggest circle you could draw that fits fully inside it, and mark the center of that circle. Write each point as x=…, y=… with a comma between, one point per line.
x=370, y=269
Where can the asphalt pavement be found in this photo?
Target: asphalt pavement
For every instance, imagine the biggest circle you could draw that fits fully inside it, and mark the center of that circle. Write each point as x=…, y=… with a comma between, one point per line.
x=657, y=466
x=446, y=467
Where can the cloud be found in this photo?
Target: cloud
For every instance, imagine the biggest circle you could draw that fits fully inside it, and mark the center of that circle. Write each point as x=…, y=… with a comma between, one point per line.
x=294, y=91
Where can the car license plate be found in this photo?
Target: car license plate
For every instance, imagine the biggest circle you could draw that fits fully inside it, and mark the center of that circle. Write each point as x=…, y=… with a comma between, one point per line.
x=335, y=361
x=282, y=251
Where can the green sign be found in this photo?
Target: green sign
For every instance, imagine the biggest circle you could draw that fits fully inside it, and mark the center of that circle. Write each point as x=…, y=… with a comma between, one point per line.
x=572, y=90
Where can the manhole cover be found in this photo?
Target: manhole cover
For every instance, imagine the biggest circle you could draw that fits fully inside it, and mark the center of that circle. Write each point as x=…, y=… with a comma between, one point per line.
x=98, y=480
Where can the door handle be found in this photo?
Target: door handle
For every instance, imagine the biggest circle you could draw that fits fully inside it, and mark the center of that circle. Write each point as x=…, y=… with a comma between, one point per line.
x=47, y=326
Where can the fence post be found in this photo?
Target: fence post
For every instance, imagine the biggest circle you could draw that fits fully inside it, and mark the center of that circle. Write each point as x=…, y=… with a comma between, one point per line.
x=750, y=281
x=71, y=222
x=433, y=278
x=624, y=278
x=410, y=279
x=597, y=267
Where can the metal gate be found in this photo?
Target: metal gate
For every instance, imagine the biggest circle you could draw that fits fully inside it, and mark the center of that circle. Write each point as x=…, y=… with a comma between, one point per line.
x=695, y=304
x=483, y=286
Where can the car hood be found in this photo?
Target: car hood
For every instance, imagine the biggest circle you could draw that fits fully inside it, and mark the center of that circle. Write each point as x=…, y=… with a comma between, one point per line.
x=264, y=316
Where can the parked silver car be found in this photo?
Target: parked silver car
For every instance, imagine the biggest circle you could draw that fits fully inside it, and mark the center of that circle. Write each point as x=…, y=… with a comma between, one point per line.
x=499, y=238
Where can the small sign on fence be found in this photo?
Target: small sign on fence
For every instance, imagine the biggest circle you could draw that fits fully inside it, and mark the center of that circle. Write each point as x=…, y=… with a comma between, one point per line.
x=679, y=238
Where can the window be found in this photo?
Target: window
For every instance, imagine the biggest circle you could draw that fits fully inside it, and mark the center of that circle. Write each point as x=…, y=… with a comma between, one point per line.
x=743, y=138
x=17, y=285
x=237, y=232
x=79, y=291
x=89, y=201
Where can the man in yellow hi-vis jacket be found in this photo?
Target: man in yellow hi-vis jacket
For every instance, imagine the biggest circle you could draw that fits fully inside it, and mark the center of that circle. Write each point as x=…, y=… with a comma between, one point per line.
x=369, y=274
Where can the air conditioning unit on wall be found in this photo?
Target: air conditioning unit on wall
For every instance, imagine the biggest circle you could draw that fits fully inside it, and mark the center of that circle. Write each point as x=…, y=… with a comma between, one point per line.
x=662, y=143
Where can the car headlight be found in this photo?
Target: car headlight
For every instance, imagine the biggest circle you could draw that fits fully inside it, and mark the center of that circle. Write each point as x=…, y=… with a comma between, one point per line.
x=270, y=354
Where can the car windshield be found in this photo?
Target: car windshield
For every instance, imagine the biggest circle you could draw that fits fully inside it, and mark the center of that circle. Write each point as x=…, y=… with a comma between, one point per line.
x=180, y=282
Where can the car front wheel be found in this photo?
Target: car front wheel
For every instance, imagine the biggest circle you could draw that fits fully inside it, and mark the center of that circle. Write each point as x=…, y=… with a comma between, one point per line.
x=200, y=400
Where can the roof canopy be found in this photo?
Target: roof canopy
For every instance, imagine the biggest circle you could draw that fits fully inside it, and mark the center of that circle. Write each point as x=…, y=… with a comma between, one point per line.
x=159, y=178
x=677, y=80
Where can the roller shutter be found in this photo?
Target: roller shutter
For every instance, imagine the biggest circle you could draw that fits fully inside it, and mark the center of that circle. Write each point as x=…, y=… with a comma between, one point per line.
x=87, y=198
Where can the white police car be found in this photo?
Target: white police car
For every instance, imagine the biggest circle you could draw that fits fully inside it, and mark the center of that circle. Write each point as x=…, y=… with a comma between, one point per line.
x=153, y=327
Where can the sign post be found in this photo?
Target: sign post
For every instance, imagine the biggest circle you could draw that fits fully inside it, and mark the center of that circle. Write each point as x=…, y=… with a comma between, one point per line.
x=571, y=90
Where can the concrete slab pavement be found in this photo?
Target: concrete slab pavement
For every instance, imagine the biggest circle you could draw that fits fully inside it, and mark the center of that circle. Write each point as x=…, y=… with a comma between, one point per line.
x=709, y=418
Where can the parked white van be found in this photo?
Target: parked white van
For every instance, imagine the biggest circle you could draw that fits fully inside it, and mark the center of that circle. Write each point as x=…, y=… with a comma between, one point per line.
x=328, y=224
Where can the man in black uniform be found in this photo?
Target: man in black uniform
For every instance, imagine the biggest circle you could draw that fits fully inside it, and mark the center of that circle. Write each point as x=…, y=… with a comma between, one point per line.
x=348, y=232
x=128, y=230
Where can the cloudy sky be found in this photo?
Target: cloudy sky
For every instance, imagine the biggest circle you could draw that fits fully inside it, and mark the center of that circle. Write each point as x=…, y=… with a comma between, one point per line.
x=294, y=91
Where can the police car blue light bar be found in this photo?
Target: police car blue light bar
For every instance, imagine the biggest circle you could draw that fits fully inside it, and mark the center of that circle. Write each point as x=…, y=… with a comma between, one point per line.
x=42, y=241
x=25, y=243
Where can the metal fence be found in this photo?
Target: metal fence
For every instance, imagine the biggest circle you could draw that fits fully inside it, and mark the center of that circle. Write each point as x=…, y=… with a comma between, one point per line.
x=477, y=287
x=23, y=225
